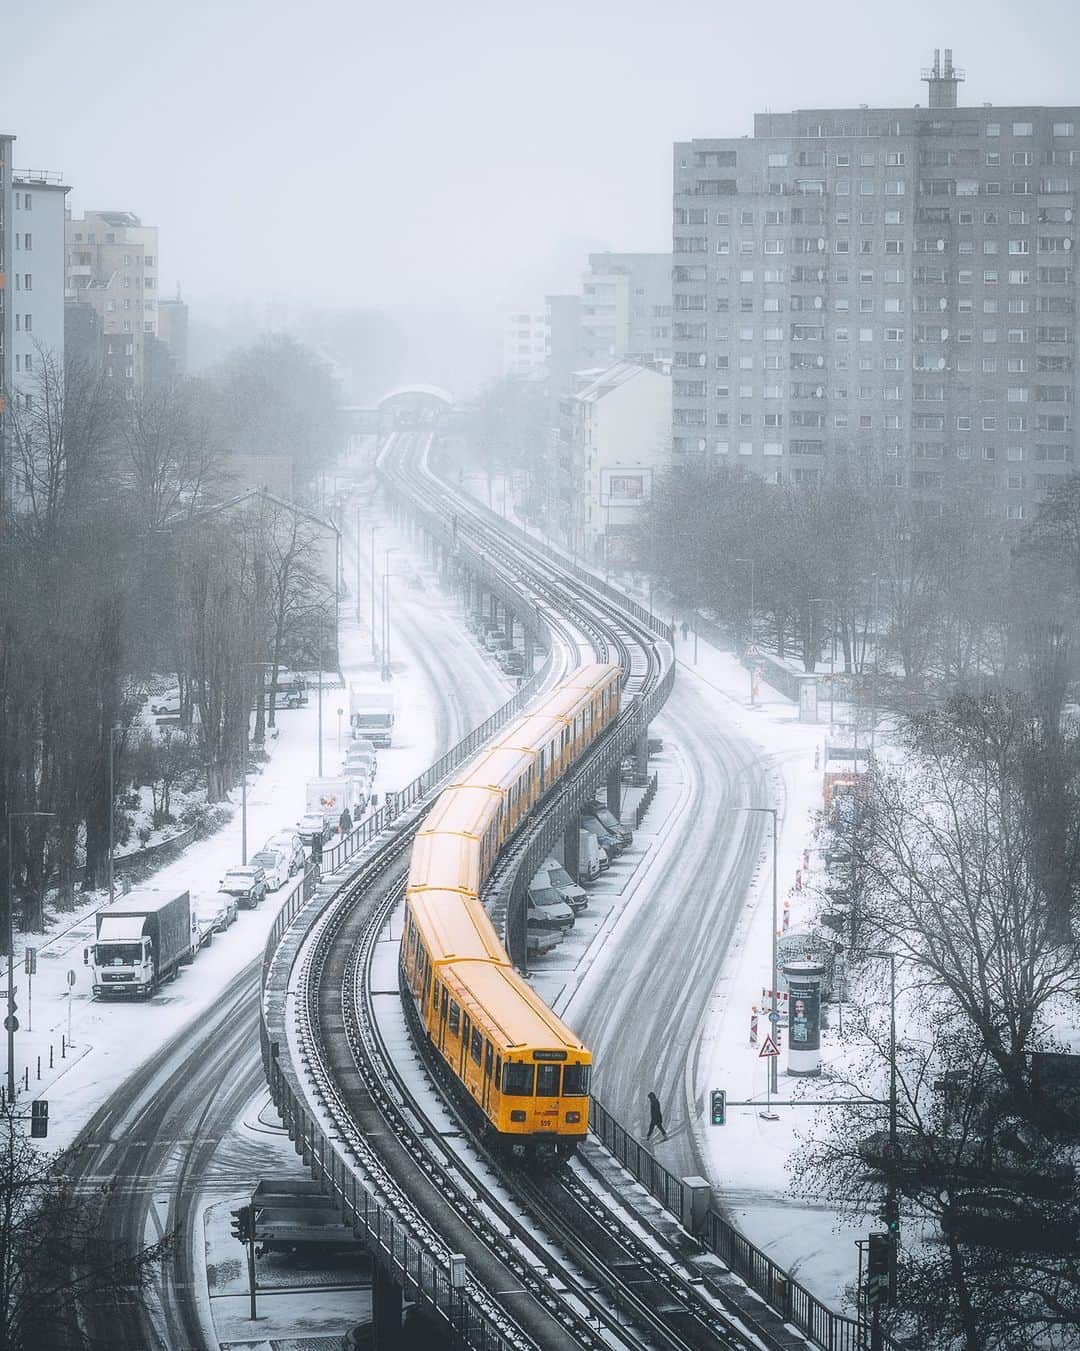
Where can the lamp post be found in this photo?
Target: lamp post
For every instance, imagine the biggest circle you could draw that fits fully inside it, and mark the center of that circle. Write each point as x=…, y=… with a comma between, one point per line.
x=244, y=667
x=374, y=528
x=749, y=562
x=9, y=1021
x=112, y=810
x=387, y=673
x=774, y=1017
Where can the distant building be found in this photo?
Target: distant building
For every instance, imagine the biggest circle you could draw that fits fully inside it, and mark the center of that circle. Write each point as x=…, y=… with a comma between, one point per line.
x=565, y=349
x=615, y=436
x=525, y=343
x=112, y=266
x=173, y=331
x=885, y=290
x=31, y=293
x=626, y=308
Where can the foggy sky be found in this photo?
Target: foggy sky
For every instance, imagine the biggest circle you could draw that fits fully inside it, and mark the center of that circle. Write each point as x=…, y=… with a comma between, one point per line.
x=452, y=152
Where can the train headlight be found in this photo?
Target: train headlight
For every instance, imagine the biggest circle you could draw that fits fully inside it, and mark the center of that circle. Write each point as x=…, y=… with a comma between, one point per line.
x=572, y=1118
x=517, y=1115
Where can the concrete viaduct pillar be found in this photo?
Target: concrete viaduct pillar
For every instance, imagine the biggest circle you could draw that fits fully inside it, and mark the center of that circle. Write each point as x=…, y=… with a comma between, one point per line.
x=385, y=1312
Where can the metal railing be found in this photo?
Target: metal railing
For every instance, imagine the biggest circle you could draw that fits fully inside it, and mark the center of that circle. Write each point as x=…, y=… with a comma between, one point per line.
x=825, y=1327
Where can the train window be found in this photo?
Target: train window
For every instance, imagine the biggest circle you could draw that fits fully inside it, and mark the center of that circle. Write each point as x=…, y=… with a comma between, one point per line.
x=443, y=1001
x=476, y=1045
x=517, y=1080
x=455, y=1017
x=547, y=1081
x=575, y=1081
x=498, y=1070
x=487, y=1060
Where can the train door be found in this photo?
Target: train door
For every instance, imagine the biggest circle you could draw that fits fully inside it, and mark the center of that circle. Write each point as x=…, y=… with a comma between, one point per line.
x=440, y=1036
x=466, y=1028
x=491, y=1076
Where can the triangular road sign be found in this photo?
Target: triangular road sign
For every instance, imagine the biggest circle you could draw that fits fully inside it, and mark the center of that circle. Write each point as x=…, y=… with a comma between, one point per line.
x=769, y=1049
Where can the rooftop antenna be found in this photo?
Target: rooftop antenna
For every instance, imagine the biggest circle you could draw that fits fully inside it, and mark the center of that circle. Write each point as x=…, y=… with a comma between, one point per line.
x=943, y=80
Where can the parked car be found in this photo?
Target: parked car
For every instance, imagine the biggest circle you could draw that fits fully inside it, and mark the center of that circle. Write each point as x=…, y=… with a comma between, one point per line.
x=611, y=845
x=622, y=833
x=511, y=662
x=217, y=912
x=576, y=897
x=360, y=745
x=540, y=941
x=246, y=884
x=548, y=910
x=291, y=845
x=311, y=825
x=275, y=864
x=166, y=705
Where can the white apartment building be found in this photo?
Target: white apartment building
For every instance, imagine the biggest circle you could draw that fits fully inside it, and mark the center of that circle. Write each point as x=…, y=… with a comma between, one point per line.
x=616, y=436
x=525, y=343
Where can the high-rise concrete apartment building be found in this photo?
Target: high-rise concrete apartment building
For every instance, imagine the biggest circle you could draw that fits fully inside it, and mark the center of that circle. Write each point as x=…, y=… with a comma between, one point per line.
x=112, y=265
x=626, y=308
x=31, y=295
x=891, y=288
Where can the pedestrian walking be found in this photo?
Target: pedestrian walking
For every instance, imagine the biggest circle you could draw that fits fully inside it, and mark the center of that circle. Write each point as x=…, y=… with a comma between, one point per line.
x=656, y=1117
x=685, y=630
x=345, y=823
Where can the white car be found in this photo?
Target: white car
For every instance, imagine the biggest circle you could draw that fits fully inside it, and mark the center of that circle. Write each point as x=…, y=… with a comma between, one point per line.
x=217, y=913
x=166, y=705
x=310, y=825
x=291, y=845
x=275, y=864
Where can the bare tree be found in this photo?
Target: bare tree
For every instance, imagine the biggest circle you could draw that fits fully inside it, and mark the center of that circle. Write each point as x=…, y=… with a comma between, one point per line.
x=53, y=1246
x=169, y=452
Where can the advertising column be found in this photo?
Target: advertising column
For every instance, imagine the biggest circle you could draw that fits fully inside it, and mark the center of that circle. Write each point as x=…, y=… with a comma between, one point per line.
x=804, y=1016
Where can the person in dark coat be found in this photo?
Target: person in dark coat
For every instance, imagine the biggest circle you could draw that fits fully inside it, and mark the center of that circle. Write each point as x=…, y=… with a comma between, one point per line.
x=656, y=1117
x=345, y=823
x=685, y=630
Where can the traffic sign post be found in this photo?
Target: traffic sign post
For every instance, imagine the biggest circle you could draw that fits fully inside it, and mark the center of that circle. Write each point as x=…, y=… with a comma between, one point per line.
x=30, y=967
x=769, y=1051
x=70, y=987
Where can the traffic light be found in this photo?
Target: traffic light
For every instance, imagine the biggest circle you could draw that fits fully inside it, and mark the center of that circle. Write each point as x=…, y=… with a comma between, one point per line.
x=880, y=1269
x=718, y=1107
x=241, y=1224
x=39, y=1119
x=890, y=1212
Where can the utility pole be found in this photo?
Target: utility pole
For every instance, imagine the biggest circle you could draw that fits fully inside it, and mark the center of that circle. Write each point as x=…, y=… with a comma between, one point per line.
x=774, y=1017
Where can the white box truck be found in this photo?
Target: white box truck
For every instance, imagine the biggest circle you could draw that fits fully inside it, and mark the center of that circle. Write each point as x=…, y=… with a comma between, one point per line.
x=328, y=798
x=142, y=939
x=371, y=713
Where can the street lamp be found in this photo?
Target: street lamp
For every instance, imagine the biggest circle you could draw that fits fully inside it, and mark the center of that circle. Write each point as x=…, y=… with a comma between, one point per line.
x=749, y=562
x=9, y=1021
x=112, y=811
x=774, y=1017
x=244, y=666
x=387, y=673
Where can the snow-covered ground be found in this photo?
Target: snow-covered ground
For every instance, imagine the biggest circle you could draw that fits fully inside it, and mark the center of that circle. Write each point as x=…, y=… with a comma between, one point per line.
x=110, y=1040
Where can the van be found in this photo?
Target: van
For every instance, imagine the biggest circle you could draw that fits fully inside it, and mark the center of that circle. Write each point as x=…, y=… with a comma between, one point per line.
x=588, y=856
x=547, y=910
x=557, y=877
x=291, y=845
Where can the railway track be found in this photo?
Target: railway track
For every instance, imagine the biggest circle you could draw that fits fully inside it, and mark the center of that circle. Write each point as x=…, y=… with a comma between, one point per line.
x=566, y=1266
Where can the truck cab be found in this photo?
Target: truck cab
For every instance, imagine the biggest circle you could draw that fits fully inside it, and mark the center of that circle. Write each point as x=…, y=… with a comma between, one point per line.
x=123, y=961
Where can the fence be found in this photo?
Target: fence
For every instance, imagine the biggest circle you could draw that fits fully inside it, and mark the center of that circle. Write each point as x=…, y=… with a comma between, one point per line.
x=793, y=1302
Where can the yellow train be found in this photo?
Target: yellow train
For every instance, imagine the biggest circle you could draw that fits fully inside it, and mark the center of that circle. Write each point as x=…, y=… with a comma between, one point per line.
x=526, y=1074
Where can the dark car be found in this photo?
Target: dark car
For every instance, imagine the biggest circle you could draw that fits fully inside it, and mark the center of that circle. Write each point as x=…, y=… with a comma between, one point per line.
x=246, y=884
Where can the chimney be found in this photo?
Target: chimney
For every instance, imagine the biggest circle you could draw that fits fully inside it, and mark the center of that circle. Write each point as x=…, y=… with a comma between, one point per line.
x=942, y=80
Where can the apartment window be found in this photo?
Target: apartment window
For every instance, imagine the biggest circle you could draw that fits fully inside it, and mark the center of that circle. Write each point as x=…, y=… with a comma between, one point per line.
x=842, y=246
x=723, y=218
x=1018, y=365
x=746, y=447
x=746, y=419
x=989, y=424
x=148, y=326
x=894, y=246
x=1017, y=394
x=723, y=246
x=841, y=305
x=778, y=161
x=842, y=187
x=721, y=447
x=993, y=189
x=990, y=277
x=746, y=218
x=18, y=364
x=993, y=128
x=1023, y=158
x=839, y=335
x=1014, y=452
x=990, y=307
x=774, y=218
x=1014, y=511
x=28, y=282
x=746, y=247
x=866, y=187
x=774, y=246
x=1018, y=335
x=966, y=218
x=993, y=159
x=866, y=335
x=894, y=422
x=771, y=305
x=746, y=335
x=890, y=364
x=1019, y=246
x=774, y=335
x=1063, y=129
x=895, y=159
x=893, y=276
x=894, y=188
x=1019, y=277
x=963, y=424
x=746, y=276
x=772, y=392
x=989, y=365
x=746, y=304
x=1022, y=129
x=773, y=275
x=746, y=363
